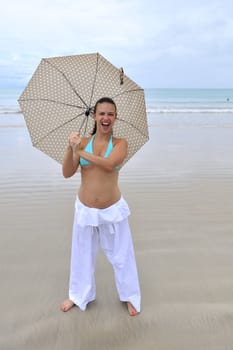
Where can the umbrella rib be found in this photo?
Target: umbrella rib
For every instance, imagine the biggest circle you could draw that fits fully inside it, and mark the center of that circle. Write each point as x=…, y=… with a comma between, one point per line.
x=125, y=121
x=49, y=100
x=85, y=121
x=63, y=74
x=95, y=76
x=132, y=125
x=58, y=127
x=127, y=91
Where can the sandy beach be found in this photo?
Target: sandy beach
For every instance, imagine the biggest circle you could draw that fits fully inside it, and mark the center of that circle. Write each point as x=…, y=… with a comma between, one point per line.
x=179, y=187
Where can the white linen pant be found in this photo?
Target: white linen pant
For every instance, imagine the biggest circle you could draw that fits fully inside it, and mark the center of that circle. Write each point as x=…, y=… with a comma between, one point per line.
x=109, y=229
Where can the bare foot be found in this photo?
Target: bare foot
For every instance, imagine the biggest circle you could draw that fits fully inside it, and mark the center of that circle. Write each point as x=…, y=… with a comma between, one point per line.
x=67, y=305
x=132, y=311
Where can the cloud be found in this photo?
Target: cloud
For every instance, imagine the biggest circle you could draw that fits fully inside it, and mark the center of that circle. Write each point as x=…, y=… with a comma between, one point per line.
x=146, y=37
x=70, y=24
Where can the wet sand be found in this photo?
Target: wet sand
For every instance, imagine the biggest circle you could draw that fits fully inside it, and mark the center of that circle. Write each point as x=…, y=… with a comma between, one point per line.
x=179, y=188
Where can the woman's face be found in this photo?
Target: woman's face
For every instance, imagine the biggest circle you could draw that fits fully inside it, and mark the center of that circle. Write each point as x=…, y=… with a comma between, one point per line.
x=105, y=117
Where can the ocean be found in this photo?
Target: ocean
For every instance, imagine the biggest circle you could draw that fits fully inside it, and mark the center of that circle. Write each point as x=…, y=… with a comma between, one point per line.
x=165, y=107
x=189, y=100
x=158, y=101
x=190, y=107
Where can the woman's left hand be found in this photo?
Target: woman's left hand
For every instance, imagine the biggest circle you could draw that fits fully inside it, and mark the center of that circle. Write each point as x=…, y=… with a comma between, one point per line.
x=75, y=140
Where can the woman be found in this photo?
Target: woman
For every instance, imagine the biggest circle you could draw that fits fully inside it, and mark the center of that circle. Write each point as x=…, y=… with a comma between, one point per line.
x=101, y=213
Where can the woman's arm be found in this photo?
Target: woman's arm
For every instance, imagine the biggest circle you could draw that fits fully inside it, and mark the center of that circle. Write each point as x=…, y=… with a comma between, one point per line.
x=70, y=162
x=116, y=157
x=71, y=159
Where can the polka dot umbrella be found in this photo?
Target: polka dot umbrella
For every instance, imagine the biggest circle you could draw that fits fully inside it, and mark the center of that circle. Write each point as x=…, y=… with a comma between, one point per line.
x=61, y=95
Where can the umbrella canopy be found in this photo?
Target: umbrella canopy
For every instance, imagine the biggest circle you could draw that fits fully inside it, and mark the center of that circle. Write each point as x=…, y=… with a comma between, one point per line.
x=61, y=95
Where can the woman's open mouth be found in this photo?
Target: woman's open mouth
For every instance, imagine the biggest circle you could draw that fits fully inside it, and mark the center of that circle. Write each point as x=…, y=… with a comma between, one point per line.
x=105, y=125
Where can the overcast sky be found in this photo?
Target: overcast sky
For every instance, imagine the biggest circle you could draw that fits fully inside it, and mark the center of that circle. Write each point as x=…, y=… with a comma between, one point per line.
x=159, y=43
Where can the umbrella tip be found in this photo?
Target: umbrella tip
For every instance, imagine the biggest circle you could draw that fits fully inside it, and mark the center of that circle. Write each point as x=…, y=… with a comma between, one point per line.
x=121, y=70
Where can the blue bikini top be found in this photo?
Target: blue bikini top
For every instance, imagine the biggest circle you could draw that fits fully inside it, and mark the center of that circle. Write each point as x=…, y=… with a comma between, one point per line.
x=89, y=149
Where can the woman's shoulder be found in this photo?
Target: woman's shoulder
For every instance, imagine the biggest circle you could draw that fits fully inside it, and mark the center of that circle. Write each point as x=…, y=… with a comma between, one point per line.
x=117, y=140
x=85, y=141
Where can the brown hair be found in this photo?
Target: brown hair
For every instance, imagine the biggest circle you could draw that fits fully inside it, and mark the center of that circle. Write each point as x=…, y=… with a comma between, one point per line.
x=102, y=100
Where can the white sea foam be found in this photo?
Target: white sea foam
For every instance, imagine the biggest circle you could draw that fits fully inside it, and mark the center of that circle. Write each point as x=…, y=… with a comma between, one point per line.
x=9, y=110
